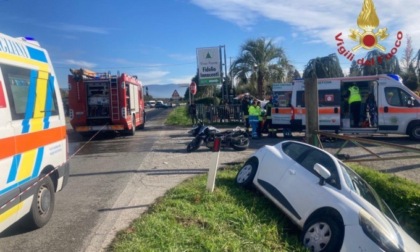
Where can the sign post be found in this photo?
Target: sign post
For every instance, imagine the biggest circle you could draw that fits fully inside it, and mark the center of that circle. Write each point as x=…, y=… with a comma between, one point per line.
x=175, y=96
x=211, y=178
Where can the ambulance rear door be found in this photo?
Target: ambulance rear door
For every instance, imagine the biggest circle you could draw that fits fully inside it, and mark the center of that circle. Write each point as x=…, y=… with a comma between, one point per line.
x=281, y=111
x=329, y=97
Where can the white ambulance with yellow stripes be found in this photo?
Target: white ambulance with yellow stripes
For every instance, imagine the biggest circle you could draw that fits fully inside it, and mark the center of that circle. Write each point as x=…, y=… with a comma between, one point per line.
x=33, y=141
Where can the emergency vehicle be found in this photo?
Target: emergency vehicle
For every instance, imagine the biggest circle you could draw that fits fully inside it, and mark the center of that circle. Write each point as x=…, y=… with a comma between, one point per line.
x=105, y=102
x=34, y=149
x=398, y=108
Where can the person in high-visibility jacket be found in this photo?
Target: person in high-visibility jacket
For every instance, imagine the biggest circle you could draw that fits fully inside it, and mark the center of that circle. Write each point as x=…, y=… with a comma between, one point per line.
x=260, y=120
x=268, y=124
x=254, y=112
x=355, y=101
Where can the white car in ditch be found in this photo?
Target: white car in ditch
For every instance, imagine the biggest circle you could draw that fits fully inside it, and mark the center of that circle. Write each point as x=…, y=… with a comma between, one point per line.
x=332, y=205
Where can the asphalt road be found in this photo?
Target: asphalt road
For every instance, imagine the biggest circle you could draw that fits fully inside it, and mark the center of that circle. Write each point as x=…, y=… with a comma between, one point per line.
x=100, y=177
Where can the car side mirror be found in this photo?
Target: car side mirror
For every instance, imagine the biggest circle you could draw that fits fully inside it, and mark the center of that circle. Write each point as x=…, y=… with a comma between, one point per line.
x=323, y=172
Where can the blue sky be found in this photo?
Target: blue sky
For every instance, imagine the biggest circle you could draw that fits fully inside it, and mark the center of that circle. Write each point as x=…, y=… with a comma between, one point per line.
x=157, y=39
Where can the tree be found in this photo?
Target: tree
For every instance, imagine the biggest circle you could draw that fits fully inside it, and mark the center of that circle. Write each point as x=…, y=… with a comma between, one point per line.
x=355, y=69
x=407, y=57
x=296, y=75
x=380, y=63
x=410, y=78
x=259, y=61
x=325, y=67
x=416, y=64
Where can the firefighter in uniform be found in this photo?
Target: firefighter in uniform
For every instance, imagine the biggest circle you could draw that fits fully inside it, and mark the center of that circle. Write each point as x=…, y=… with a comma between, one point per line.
x=268, y=124
x=355, y=101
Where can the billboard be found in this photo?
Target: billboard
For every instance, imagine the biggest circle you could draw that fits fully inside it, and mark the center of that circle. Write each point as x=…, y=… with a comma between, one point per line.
x=209, y=66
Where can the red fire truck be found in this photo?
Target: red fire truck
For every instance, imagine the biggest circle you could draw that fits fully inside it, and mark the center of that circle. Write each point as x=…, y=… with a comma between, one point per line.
x=105, y=102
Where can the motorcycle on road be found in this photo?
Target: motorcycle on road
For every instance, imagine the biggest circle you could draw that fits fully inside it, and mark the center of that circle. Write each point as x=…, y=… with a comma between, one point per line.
x=236, y=139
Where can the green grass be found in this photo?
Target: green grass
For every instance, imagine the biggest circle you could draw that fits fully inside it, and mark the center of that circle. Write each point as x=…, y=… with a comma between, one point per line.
x=179, y=116
x=188, y=218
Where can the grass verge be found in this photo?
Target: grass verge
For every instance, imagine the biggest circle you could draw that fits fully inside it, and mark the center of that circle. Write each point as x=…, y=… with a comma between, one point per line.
x=179, y=116
x=188, y=218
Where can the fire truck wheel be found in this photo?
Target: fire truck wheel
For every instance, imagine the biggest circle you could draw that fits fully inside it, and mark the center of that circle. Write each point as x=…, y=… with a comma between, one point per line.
x=42, y=204
x=141, y=126
x=132, y=132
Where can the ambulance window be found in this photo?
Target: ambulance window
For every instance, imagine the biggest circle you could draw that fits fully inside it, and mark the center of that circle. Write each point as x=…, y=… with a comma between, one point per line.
x=18, y=84
x=328, y=98
x=300, y=99
x=282, y=99
x=392, y=96
x=397, y=97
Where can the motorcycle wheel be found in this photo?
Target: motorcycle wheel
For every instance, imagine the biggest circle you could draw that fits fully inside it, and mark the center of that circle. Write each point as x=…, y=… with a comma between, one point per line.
x=193, y=145
x=240, y=144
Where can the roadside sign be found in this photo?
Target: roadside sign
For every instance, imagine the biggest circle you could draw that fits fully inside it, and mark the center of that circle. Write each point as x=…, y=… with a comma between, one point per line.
x=193, y=88
x=209, y=66
x=175, y=95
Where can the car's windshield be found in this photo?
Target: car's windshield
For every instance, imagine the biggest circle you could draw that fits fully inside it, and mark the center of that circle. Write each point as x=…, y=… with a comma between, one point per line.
x=362, y=188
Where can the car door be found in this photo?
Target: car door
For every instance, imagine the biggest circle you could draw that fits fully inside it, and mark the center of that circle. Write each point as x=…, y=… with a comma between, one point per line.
x=394, y=113
x=300, y=183
x=272, y=170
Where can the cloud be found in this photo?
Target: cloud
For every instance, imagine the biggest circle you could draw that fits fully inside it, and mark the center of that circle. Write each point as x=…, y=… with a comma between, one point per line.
x=319, y=20
x=80, y=63
x=182, y=57
x=181, y=80
x=77, y=28
x=153, y=77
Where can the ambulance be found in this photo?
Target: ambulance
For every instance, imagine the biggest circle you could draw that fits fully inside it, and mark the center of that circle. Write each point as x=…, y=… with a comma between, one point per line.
x=398, y=108
x=33, y=142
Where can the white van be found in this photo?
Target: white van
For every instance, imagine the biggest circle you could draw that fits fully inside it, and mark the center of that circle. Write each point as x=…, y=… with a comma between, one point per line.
x=151, y=103
x=398, y=115
x=33, y=140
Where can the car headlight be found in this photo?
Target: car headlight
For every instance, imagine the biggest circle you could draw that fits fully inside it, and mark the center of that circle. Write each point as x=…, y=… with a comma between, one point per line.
x=377, y=233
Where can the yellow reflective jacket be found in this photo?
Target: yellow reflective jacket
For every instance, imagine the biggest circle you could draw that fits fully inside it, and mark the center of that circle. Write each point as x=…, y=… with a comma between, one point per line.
x=354, y=94
x=254, y=110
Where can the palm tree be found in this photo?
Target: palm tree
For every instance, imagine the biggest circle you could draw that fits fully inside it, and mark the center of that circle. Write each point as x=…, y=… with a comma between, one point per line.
x=259, y=60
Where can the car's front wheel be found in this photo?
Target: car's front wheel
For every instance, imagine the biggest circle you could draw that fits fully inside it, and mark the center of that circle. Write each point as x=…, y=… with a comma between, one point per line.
x=323, y=233
x=247, y=173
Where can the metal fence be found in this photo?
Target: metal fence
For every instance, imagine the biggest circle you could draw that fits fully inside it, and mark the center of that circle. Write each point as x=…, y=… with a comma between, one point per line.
x=220, y=114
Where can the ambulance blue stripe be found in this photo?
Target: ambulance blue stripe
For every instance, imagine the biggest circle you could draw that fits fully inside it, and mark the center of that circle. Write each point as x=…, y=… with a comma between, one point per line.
x=13, y=170
x=30, y=105
x=38, y=161
x=49, y=101
x=36, y=54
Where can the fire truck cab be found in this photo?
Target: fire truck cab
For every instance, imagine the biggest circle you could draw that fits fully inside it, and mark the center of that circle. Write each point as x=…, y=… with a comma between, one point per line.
x=105, y=102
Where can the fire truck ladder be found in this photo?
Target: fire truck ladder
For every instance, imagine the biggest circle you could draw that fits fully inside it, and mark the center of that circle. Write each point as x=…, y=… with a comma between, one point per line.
x=115, y=109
